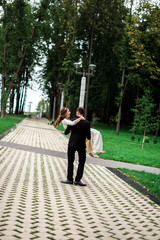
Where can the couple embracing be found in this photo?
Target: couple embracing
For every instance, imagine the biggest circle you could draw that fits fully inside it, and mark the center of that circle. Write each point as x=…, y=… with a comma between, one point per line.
x=80, y=130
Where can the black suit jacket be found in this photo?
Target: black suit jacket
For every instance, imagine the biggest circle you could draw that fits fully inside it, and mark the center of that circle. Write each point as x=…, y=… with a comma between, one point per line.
x=79, y=133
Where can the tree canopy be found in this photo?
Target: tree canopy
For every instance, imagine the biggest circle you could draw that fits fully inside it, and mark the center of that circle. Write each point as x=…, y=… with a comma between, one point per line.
x=121, y=38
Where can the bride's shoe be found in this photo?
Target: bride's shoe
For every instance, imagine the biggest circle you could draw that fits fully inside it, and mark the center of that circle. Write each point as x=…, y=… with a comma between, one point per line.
x=94, y=155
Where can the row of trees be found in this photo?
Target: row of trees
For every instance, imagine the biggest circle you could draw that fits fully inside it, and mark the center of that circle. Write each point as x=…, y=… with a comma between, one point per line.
x=124, y=45
x=123, y=42
x=20, y=44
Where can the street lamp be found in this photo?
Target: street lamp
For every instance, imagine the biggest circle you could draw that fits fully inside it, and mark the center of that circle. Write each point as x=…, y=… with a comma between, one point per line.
x=83, y=82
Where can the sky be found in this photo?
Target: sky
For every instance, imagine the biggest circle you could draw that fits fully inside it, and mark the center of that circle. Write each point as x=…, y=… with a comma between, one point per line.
x=33, y=96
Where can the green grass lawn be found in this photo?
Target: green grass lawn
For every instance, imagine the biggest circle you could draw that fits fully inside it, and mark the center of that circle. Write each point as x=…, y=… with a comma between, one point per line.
x=122, y=148
x=148, y=180
x=10, y=121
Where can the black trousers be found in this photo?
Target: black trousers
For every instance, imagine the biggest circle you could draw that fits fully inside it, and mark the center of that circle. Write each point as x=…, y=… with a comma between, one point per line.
x=82, y=158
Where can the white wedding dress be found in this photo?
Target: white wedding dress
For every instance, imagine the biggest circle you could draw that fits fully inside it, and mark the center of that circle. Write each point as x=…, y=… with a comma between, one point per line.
x=96, y=138
x=96, y=141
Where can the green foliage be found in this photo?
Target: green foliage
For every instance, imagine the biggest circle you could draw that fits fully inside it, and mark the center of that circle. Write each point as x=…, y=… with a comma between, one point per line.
x=144, y=121
x=146, y=139
x=42, y=105
x=61, y=33
x=155, y=140
x=133, y=137
x=143, y=113
x=139, y=50
x=95, y=121
x=70, y=37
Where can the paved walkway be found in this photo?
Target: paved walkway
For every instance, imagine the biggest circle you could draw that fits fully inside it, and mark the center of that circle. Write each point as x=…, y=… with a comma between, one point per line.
x=34, y=204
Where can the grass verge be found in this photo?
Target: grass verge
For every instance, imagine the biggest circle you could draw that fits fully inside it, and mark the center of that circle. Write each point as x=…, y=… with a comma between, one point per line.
x=9, y=122
x=148, y=180
x=122, y=148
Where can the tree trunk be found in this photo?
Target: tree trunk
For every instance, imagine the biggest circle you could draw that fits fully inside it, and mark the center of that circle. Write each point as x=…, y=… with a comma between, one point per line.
x=22, y=92
x=144, y=138
x=90, y=58
x=54, y=109
x=72, y=42
x=51, y=107
x=17, y=102
x=88, y=80
x=4, y=96
x=25, y=89
x=158, y=120
x=3, y=113
x=121, y=100
x=136, y=107
x=3, y=102
x=11, y=101
x=119, y=118
x=24, y=99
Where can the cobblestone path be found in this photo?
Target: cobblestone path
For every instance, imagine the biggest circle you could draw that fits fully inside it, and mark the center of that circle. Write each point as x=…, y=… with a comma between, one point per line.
x=34, y=204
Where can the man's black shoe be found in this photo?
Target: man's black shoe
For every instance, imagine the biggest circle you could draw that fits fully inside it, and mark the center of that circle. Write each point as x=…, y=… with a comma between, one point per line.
x=79, y=183
x=67, y=182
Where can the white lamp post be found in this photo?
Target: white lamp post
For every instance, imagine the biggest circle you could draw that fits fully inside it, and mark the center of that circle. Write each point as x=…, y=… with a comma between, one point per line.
x=41, y=111
x=82, y=92
x=83, y=81
x=29, y=107
x=62, y=100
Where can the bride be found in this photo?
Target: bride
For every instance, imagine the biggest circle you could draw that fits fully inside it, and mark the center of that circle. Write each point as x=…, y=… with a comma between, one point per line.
x=95, y=145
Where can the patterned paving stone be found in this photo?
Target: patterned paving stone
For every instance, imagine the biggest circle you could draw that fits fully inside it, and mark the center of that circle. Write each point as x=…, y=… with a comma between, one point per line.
x=34, y=204
x=41, y=135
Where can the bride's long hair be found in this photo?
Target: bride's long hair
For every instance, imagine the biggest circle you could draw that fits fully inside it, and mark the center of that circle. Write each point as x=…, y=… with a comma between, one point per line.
x=61, y=116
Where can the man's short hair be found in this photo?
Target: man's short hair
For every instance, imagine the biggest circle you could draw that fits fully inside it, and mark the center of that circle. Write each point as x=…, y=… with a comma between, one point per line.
x=81, y=111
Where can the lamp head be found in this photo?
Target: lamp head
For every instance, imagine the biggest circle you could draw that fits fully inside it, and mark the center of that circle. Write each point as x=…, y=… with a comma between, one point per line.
x=92, y=67
x=59, y=85
x=77, y=65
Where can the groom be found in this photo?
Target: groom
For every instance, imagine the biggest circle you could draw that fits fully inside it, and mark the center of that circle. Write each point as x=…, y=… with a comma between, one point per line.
x=79, y=133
